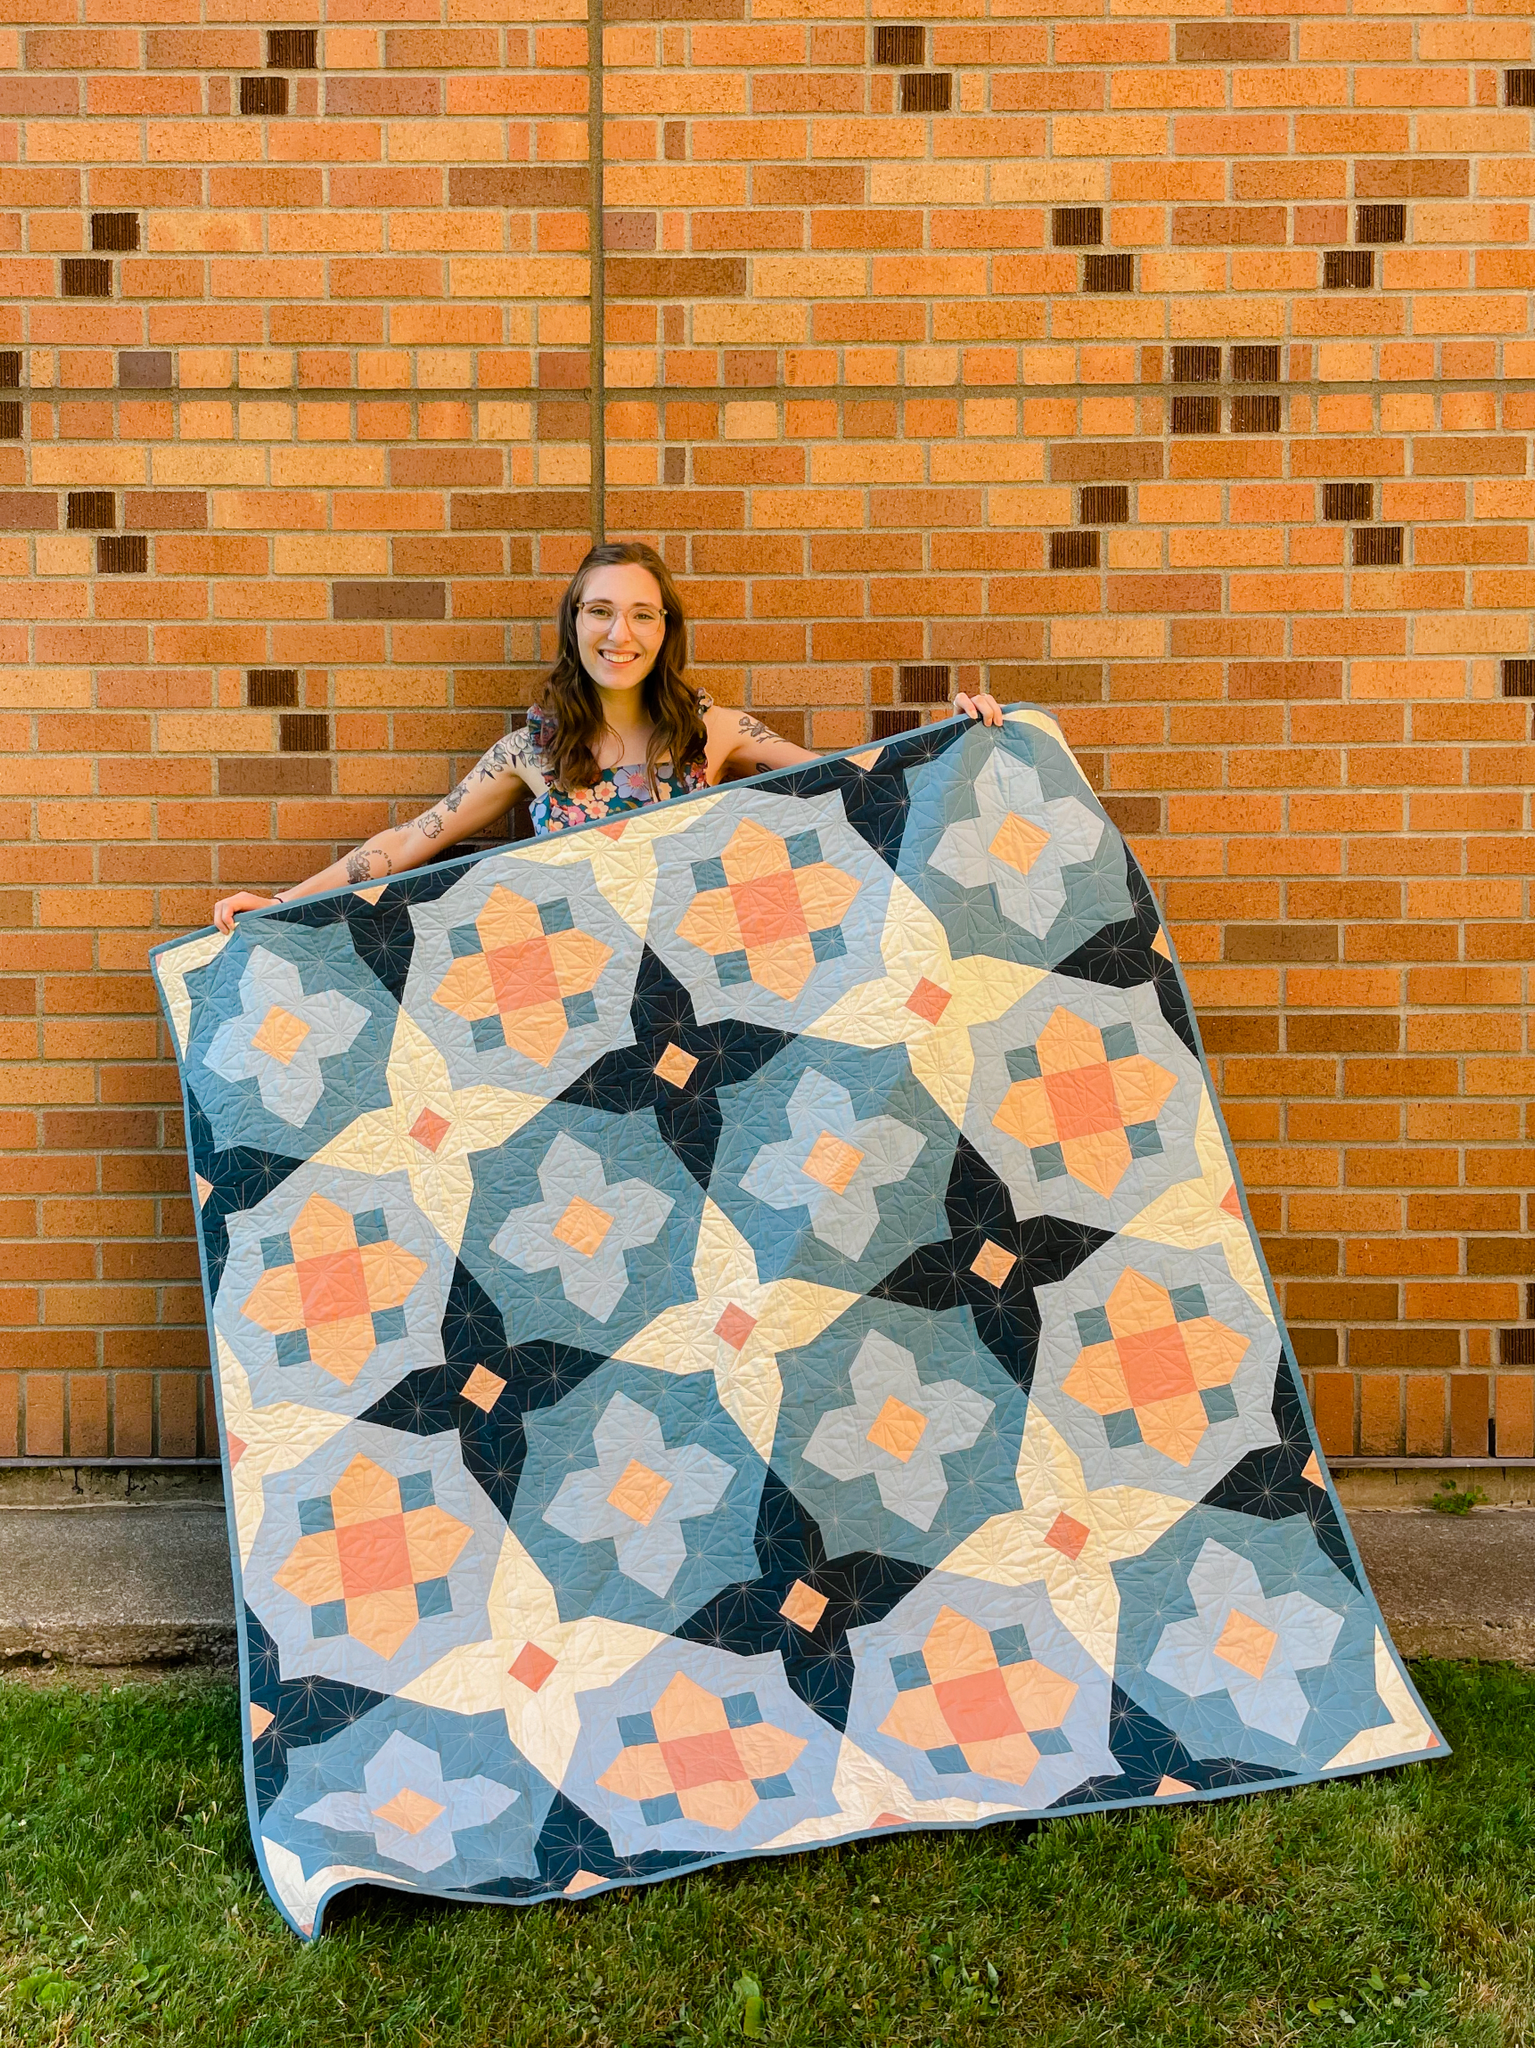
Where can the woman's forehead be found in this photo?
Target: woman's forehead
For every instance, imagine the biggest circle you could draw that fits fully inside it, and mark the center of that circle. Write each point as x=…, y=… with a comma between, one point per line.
x=622, y=583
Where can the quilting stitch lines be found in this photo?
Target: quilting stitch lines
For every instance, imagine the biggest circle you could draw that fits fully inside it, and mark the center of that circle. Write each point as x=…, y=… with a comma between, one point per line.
x=738, y=1329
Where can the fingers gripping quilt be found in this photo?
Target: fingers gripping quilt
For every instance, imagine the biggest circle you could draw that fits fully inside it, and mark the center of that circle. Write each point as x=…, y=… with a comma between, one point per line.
x=738, y=1329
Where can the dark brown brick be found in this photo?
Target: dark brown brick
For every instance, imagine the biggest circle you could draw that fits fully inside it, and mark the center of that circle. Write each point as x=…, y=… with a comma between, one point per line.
x=381, y=97
x=274, y=775
x=806, y=185
x=166, y=511
x=1314, y=1348
x=1046, y=682
x=1500, y=1255
x=1223, y=1032
x=1412, y=177
x=1315, y=1257
x=1230, y=227
x=389, y=600
x=1188, y=592
x=562, y=369
x=1233, y=42
x=675, y=10
x=1087, y=462
x=1341, y=1031
x=518, y=511
x=1136, y=816
x=628, y=230
x=1409, y=1347
x=1343, y=1301
x=650, y=511
x=29, y=512
x=1469, y=1414
x=146, y=369
x=540, y=186
x=1255, y=681
x=1253, y=942
x=751, y=367
x=675, y=277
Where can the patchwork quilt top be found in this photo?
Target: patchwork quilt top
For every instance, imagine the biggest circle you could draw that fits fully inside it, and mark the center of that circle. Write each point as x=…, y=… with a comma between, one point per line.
x=737, y=1329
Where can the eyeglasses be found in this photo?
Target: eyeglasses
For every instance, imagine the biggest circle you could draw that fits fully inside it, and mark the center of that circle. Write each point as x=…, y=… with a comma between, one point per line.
x=644, y=618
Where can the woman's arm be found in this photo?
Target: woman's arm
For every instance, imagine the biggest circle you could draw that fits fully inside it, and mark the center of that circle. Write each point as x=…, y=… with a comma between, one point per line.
x=485, y=794
x=741, y=745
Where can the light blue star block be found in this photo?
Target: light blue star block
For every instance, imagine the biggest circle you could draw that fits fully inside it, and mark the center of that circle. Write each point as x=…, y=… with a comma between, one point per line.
x=285, y=1063
x=586, y=1242
x=1245, y=1644
x=409, y=1808
x=840, y=1194
x=846, y=1441
x=644, y=1521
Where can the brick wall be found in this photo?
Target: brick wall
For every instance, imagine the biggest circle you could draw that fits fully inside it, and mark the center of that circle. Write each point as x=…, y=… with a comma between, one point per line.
x=1023, y=360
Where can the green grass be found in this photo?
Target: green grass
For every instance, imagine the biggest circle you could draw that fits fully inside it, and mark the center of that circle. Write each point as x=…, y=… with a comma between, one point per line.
x=1399, y=1909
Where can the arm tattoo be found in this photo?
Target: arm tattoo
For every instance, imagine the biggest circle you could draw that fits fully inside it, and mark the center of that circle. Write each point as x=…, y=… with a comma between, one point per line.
x=496, y=761
x=754, y=730
x=456, y=795
x=360, y=868
x=429, y=826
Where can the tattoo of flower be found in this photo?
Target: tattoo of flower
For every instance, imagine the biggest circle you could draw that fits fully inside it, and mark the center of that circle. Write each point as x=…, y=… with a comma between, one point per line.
x=754, y=729
x=360, y=865
x=495, y=761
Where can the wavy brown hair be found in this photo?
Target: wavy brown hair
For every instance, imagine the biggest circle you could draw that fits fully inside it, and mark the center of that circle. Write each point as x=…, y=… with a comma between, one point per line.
x=568, y=726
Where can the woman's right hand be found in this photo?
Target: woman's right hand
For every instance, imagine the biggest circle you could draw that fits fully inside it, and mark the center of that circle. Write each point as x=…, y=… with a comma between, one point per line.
x=226, y=911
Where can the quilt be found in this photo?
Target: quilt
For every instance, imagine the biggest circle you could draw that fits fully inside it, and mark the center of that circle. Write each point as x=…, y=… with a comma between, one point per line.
x=737, y=1328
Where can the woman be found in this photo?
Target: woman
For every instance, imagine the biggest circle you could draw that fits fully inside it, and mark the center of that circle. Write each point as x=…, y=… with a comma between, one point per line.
x=620, y=726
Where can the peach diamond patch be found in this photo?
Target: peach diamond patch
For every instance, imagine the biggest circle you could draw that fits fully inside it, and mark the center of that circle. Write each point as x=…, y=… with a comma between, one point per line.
x=832, y=1162
x=409, y=1811
x=897, y=1429
x=583, y=1226
x=638, y=1493
x=1067, y=1535
x=928, y=1001
x=993, y=1262
x=531, y=1666
x=804, y=1606
x=1246, y=1643
x=735, y=1326
x=280, y=1034
x=430, y=1129
x=484, y=1388
x=676, y=1066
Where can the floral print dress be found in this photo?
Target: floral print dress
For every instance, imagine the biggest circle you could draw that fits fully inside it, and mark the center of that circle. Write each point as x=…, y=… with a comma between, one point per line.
x=625, y=788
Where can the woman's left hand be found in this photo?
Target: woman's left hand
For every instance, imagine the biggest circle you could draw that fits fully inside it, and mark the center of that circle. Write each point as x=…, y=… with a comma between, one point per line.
x=986, y=709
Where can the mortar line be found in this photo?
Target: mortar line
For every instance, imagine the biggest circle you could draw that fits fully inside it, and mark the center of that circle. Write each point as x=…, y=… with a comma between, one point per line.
x=728, y=393
x=594, y=151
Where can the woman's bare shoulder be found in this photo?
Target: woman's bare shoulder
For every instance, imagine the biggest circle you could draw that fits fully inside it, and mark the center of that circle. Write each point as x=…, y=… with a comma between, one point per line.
x=519, y=754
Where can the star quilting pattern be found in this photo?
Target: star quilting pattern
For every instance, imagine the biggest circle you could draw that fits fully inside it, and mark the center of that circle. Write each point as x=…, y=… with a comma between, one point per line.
x=737, y=1327
x=522, y=975
x=768, y=909
x=333, y=1288
x=281, y=1036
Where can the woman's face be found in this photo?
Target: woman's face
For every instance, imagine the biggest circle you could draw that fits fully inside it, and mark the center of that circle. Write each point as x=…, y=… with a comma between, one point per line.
x=620, y=625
